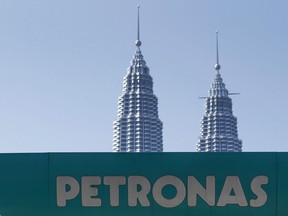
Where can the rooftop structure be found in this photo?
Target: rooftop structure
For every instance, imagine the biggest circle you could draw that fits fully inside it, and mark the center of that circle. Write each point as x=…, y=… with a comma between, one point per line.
x=138, y=127
x=219, y=125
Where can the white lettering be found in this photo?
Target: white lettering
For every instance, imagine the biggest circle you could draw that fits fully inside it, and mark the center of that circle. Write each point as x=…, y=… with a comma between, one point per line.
x=168, y=191
x=232, y=183
x=88, y=192
x=195, y=188
x=169, y=180
x=258, y=191
x=62, y=195
x=134, y=195
x=114, y=182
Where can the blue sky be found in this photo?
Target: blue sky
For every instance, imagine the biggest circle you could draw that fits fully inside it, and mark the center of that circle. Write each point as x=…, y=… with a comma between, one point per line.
x=62, y=64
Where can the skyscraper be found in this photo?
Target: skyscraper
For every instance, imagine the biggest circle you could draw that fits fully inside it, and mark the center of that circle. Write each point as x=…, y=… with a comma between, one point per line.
x=138, y=127
x=219, y=125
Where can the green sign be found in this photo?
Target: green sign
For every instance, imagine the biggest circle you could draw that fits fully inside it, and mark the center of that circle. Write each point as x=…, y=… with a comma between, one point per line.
x=206, y=184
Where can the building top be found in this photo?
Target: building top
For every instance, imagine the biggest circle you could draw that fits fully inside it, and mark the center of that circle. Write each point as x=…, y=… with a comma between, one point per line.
x=218, y=126
x=138, y=127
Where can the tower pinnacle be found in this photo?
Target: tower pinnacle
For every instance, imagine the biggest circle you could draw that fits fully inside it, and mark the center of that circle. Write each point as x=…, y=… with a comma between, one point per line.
x=218, y=125
x=138, y=42
x=138, y=127
x=217, y=65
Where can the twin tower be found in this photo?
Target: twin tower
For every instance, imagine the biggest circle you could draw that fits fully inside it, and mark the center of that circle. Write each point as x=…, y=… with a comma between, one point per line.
x=139, y=129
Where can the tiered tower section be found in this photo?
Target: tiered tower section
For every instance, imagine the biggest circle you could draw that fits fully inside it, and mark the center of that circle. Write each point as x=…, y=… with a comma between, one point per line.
x=218, y=125
x=138, y=127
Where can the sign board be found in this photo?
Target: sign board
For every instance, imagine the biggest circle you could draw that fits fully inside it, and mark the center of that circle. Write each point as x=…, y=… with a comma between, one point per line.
x=206, y=184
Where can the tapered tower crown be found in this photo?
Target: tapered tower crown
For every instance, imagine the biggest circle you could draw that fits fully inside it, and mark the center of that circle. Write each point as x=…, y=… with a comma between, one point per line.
x=138, y=127
x=219, y=125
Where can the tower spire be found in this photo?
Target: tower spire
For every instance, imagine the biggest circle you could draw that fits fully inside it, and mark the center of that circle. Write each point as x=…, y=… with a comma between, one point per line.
x=218, y=125
x=138, y=42
x=217, y=65
x=138, y=127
